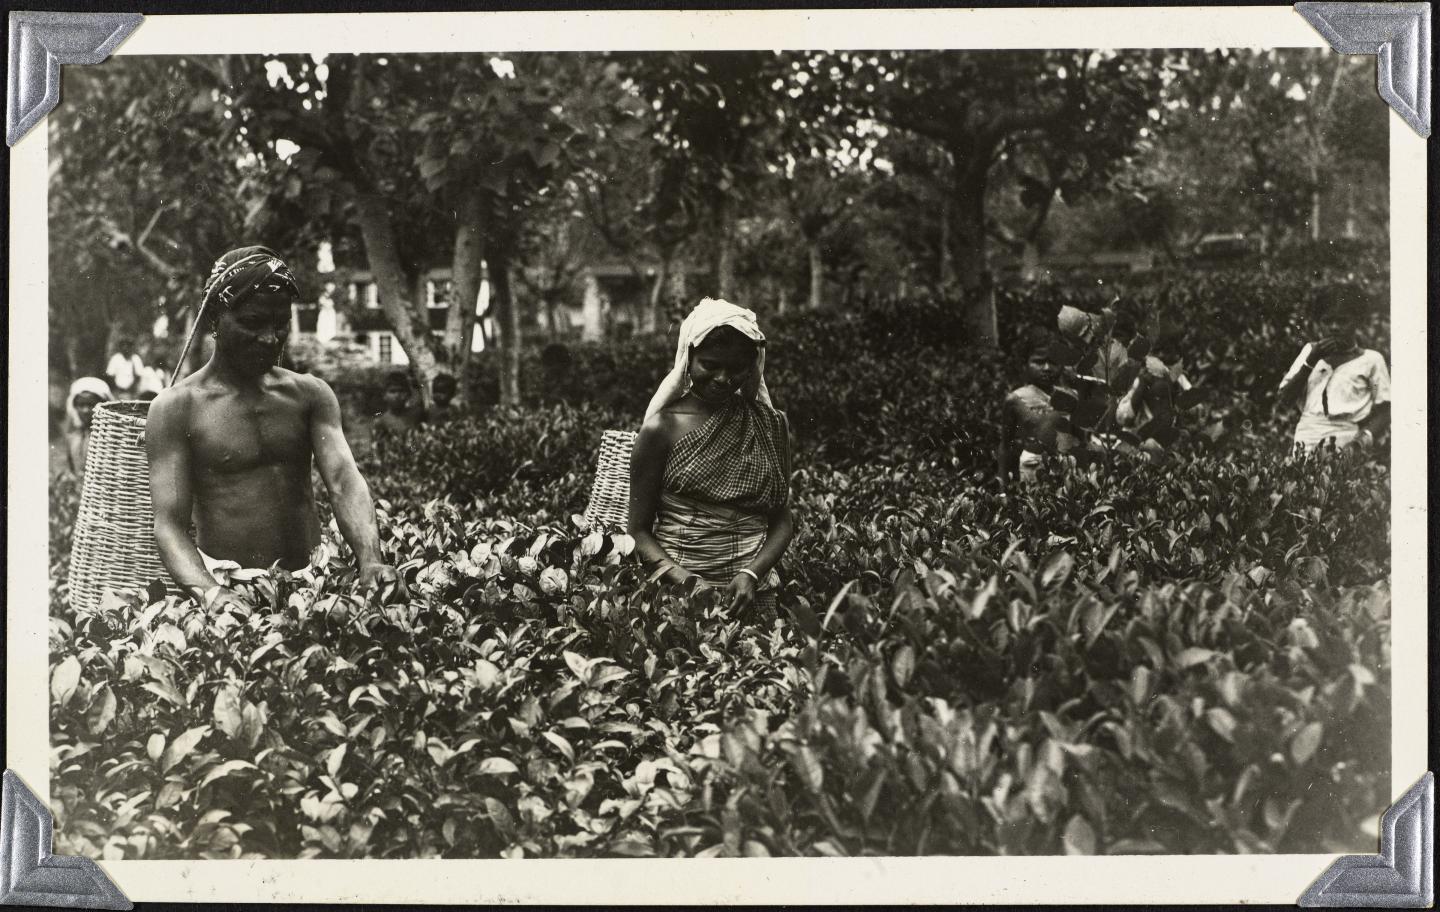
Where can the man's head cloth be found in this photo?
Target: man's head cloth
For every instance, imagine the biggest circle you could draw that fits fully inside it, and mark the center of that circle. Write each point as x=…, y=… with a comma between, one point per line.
x=241, y=273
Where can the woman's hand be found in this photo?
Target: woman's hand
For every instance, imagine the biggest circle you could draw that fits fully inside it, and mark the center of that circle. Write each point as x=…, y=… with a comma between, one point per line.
x=741, y=592
x=679, y=575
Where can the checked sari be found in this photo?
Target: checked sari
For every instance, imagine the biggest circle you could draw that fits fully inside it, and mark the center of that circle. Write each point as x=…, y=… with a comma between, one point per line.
x=722, y=482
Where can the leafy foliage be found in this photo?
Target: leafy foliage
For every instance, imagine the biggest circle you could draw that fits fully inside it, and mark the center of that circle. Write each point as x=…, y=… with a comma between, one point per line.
x=131, y=144
x=1184, y=657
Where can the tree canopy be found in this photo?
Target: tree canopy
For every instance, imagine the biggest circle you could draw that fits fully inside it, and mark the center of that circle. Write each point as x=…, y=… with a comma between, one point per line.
x=768, y=177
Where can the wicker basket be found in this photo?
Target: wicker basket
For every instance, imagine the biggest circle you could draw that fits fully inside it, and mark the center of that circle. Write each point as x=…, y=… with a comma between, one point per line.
x=114, y=536
x=610, y=494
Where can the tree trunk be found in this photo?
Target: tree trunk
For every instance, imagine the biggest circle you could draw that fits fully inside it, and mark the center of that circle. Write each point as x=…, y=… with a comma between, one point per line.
x=72, y=356
x=467, y=268
x=724, y=279
x=968, y=250
x=594, y=317
x=1315, y=200
x=1029, y=261
x=817, y=274
x=658, y=297
x=679, y=289
x=404, y=310
x=552, y=315
x=946, y=269
x=507, y=325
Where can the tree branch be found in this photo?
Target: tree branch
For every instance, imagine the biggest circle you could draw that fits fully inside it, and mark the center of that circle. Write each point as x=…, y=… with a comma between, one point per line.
x=140, y=242
x=120, y=237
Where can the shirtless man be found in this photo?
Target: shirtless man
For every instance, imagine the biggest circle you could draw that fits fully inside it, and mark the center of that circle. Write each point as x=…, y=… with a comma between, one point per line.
x=1030, y=421
x=232, y=445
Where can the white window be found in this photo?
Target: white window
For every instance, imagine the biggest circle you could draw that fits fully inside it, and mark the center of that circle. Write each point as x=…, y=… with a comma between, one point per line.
x=372, y=295
x=437, y=294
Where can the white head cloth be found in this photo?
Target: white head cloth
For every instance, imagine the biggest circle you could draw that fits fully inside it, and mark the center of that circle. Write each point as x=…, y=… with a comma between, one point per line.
x=710, y=314
x=93, y=385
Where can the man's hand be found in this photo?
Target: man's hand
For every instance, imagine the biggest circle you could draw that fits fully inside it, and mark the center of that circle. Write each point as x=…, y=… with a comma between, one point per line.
x=385, y=580
x=741, y=592
x=1325, y=346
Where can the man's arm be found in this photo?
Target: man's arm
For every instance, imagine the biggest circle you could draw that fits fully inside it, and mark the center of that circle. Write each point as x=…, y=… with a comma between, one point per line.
x=167, y=447
x=1296, y=379
x=349, y=494
x=1293, y=386
x=1378, y=421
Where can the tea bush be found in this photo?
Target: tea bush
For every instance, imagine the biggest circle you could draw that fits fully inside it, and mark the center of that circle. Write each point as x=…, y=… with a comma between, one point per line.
x=1184, y=657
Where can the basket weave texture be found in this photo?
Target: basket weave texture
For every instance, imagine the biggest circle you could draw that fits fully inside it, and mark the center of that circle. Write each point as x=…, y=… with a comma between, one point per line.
x=610, y=493
x=114, y=536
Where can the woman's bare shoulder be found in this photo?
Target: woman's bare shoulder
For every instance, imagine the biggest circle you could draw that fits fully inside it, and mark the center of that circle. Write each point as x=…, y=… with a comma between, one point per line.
x=658, y=429
x=671, y=423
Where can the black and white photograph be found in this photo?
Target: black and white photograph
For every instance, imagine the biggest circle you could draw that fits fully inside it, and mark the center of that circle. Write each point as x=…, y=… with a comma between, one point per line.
x=825, y=452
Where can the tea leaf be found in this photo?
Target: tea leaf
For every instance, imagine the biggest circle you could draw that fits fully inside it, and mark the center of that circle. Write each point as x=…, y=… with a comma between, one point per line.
x=1079, y=837
x=1306, y=742
x=64, y=679
x=1192, y=656
x=562, y=744
x=497, y=766
x=181, y=747
x=228, y=709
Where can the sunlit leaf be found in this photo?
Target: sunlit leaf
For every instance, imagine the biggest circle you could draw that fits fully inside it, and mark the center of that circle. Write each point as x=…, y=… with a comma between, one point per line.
x=181, y=747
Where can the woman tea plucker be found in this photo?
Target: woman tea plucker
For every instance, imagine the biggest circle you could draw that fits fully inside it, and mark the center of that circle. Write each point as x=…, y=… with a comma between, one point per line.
x=710, y=471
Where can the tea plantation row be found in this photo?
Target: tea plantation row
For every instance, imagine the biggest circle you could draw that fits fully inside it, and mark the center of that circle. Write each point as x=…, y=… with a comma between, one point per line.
x=1189, y=657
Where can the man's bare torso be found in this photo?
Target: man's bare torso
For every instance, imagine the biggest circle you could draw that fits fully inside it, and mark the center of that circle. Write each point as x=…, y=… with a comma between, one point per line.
x=250, y=466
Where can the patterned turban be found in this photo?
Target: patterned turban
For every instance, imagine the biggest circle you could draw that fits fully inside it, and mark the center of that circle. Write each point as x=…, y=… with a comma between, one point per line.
x=241, y=273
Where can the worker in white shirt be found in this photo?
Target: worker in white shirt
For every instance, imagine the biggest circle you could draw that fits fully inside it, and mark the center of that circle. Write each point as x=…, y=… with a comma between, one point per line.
x=125, y=369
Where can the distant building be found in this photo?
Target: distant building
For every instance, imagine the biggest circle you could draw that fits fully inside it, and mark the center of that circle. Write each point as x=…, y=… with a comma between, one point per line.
x=351, y=308
x=1010, y=268
x=611, y=300
x=615, y=299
